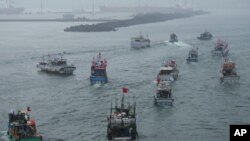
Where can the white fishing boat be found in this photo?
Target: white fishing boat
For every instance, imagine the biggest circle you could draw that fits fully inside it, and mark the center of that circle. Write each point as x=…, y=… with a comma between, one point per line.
x=168, y=71
x=54, y=64
x=192, y=55
x=163, y=94
x=140, y=42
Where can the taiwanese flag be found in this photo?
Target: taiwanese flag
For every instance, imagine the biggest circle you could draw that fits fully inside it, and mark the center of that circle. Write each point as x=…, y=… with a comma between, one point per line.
x=125, y=90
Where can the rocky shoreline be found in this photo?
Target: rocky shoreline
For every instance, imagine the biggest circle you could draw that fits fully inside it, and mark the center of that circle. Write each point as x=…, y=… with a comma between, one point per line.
x=138, y=19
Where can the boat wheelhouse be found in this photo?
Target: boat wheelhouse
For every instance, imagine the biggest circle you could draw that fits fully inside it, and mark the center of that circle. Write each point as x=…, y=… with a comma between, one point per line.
x=21, y=127
x=122, y=121
x=192, y=55
x=228, y=72
x=168, y=71
x=205, y=36
x=221, y=48
x=173, y=38
x=163, y=94
x=140, y=42
x=55, y=64
x=98, y=70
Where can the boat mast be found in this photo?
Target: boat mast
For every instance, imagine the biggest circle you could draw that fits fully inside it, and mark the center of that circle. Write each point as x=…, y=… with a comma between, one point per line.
x=93, y=7
x=7, y=4
x=41, y=6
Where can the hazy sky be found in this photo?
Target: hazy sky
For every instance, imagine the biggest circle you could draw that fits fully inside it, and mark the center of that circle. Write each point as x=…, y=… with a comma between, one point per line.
x=76, y=4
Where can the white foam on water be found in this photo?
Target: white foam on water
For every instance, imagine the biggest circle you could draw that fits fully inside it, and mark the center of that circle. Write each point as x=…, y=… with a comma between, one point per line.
x=179, y=44
x=3, y=136
x=97, y=85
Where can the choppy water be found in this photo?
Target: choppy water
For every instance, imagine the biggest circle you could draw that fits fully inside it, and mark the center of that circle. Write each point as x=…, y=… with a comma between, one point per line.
x=69, y=109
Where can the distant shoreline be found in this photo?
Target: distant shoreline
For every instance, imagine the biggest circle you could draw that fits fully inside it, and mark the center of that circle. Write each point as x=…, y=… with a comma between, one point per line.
x=138, y=19
x=56, y=20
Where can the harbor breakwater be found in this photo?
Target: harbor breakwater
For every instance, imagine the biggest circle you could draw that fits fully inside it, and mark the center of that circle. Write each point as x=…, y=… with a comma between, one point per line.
x=136, y=20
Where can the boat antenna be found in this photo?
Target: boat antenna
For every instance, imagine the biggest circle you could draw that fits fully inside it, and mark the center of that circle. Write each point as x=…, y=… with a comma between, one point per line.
x=122, y=104
x=111, y=107
x=124, y=91
x=93, y=7
x=134, y=104
x=41, y=7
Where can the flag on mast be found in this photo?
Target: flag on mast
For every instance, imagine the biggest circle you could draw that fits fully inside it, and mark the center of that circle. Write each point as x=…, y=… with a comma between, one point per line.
x=125, y=90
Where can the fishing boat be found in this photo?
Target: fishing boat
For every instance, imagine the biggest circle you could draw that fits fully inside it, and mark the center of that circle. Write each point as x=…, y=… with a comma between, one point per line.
x=228, y=72
x=140, y=42
x=173, y=38
x=168, y=71
x=221, y=48
x=192, y=55
x=21, y=127
x=122, y=120
x=163, y=94
x=55, y=64
x=205, y=36
x=98, y=70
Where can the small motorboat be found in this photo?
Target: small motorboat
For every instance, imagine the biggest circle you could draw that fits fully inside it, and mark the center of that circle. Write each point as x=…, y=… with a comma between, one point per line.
x=192, y=55
x=140, y=42
x=173, y=38
x=205, y=36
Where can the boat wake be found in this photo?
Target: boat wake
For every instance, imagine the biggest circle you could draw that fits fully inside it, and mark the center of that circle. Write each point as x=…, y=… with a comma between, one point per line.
x=3, y=136
x=97, y=85
x=179, y=44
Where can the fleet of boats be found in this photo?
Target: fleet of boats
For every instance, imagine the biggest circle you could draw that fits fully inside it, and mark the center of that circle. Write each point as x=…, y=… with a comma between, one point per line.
x=140, y=42
x=122, y=119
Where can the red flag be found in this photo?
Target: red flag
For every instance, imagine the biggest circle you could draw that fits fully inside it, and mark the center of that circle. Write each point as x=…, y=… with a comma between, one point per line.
x=125, y=90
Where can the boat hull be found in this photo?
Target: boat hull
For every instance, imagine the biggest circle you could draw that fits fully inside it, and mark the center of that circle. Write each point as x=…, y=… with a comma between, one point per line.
x=220, y=53
x=98, y=80
x=229, y=79
x=173, y=41
x=138, y=45
x=189, y=60
x=12, y=138
x=68, y=70
x=168, y=101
